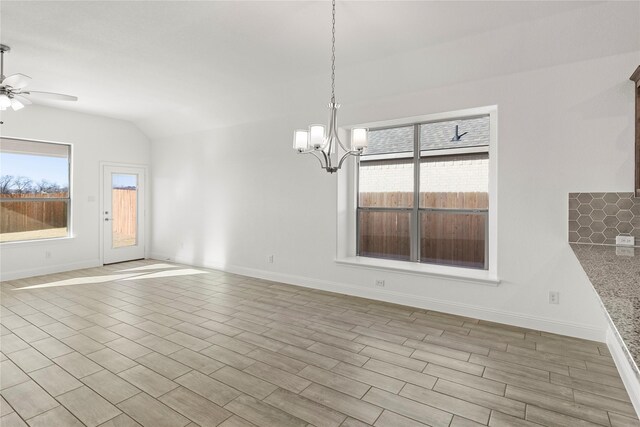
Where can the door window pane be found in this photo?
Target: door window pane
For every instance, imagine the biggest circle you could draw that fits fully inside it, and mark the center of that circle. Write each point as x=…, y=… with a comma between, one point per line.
x=455, y=182
x=124, y=209
x=386, y=183
x=384, y=234
x=456, y=239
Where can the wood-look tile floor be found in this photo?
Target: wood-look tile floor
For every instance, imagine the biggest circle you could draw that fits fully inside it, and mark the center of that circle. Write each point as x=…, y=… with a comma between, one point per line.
x=152, y=344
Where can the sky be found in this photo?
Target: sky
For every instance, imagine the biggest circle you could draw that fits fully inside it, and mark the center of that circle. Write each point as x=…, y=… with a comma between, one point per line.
x=53, y=169
x=124, y=180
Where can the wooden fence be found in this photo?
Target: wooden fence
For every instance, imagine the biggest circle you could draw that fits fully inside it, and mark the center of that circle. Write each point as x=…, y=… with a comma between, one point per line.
x=125, y=212
x=19, y=216
x=445, y=237
x=452, y=200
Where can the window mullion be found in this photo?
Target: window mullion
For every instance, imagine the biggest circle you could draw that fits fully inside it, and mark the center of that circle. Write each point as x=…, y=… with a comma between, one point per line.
x=357, y=187
x=415, y=218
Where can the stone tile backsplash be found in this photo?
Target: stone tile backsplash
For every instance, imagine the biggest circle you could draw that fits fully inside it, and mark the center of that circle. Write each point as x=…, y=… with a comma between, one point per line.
x=600, y=217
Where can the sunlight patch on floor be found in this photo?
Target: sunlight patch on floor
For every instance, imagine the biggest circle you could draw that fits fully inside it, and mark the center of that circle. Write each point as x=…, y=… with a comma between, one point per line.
x=151, y=267
x=80, y=281
x=90, y=280
x=170, y=273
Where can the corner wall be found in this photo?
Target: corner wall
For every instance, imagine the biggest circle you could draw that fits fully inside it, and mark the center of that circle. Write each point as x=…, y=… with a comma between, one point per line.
x=229, y=198
x=95, y=139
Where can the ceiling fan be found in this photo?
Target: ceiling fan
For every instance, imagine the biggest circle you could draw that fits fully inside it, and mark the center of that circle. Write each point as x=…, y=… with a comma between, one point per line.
x=12, y=89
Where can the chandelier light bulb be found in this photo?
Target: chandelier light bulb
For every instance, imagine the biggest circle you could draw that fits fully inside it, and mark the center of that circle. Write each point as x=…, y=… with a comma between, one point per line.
x=316, y=136
x=300, y=140
x=359, y=140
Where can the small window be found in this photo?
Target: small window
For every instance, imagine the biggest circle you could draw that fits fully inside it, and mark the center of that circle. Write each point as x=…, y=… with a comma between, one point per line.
x=423, y=193
x=34, y=190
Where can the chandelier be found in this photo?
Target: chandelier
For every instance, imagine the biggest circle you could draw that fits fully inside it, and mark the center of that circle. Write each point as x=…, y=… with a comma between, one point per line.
x=323, y=142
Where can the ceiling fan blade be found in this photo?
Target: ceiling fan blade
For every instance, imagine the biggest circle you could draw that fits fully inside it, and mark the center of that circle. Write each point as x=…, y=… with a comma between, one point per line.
x=51, y=95
x=5, y=102
x=16, y=105
x=22, y=99
x=16, y=81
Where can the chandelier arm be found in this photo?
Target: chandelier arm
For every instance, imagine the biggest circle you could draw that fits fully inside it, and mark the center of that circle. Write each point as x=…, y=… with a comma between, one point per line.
x=327, y=157
x=331, y=135
x=333, y=129
x=306, y=151
x=347, y=154
x=337, y=138
x=316, y=156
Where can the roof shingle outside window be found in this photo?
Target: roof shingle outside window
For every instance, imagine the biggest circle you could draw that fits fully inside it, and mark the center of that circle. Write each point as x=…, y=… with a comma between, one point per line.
x=433, y=136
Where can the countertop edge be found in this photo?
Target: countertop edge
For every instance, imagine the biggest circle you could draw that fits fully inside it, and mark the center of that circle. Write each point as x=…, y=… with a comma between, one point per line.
x=616, y=333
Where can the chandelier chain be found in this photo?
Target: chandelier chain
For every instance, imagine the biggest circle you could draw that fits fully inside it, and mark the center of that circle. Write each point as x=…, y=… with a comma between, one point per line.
x=333, y=52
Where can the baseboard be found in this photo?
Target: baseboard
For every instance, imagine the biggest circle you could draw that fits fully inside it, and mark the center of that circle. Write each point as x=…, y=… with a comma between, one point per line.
x=467, y=310
x=628, y=372
x=48, y=269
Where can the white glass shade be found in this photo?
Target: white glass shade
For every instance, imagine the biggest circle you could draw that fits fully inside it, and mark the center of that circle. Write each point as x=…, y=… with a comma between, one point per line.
x=16, y=105
x=316, y=136
x=359, y=139
x=300, y=140
x=4, y=101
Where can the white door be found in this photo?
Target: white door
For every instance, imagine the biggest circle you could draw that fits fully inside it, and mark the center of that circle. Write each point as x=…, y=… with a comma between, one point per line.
x=123, y=213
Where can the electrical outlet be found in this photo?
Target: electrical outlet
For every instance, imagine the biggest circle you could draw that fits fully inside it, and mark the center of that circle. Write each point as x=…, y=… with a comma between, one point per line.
x=554, y=297
x=380, y=283
x=270, y=259
x=625, y=240
x=622, y=251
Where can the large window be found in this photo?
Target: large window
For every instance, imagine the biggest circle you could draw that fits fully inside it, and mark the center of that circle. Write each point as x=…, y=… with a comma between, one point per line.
x=423, y=193
x=34, y=190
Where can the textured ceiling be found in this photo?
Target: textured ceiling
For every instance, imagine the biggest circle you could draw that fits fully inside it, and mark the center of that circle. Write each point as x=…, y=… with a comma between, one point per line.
x=139, y=59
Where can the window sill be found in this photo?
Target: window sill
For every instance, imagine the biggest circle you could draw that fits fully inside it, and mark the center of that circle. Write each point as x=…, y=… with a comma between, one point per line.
x=37, y=241
x=483, y=277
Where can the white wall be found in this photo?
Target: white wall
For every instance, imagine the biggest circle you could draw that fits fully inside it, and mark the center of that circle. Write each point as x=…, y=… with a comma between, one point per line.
x=95, y=139
x=231, y=196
